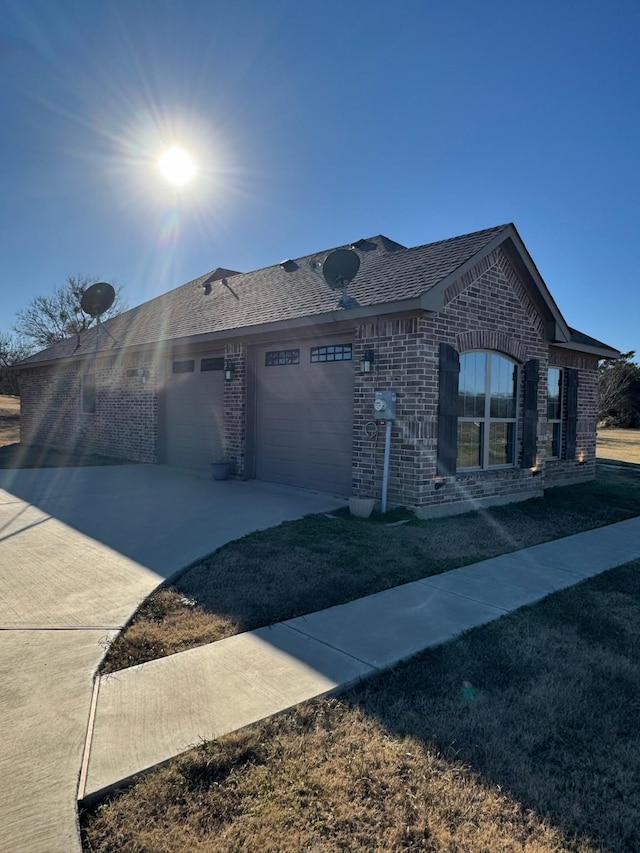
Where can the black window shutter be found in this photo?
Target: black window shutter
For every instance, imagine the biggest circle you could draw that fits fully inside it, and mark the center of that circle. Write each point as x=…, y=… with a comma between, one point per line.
x=530, y=420
x=572, y=414
x=448, y=410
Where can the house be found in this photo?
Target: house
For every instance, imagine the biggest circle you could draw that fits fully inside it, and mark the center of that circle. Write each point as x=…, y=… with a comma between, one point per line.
x=495, y=394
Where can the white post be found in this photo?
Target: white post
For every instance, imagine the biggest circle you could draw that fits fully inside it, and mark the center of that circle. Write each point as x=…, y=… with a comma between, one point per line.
x=385, y=469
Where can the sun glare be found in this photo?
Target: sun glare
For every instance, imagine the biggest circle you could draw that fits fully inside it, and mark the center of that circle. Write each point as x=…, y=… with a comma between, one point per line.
x=177, y=165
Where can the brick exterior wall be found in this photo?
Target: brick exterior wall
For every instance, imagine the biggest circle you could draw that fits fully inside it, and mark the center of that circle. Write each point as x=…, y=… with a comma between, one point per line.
x=486, y=309
x=562, y=473
x=124, y=424
x=235, y=409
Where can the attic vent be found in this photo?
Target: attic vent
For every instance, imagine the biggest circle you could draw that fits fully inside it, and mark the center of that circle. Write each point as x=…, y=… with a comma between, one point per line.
x=289, y=266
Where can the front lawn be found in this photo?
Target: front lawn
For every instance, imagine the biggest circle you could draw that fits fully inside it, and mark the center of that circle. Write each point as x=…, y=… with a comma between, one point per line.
x=519, y=736
x=317, y=562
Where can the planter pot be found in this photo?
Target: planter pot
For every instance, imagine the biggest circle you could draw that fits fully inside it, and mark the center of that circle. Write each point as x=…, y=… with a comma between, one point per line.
x=361, y=507
x=219, y=470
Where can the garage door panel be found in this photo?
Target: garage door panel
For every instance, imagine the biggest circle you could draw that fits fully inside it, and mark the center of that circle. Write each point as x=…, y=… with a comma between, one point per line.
x=194, y=417
x=326, y=457
x=304, y=422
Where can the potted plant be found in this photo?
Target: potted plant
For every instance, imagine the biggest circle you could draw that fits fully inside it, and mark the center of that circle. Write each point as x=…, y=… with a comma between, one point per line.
x=361, y=507
x=220, y=469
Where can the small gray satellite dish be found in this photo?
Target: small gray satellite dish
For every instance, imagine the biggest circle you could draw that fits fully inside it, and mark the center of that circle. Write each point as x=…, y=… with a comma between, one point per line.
x=97, y=298
x=340, y=267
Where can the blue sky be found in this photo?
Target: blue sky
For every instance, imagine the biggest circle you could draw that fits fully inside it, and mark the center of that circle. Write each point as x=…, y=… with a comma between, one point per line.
x=314, y=124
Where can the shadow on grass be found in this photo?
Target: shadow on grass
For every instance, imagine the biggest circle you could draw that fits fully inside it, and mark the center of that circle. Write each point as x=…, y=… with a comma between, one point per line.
x=519, y=736
x=543, y=704
x=319, y=562
x=618, y=463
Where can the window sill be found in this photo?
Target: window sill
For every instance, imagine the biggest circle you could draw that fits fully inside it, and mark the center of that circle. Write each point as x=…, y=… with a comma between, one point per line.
x=495, y=469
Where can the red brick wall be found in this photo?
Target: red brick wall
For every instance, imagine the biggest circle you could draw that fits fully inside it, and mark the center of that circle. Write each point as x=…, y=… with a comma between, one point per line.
x=561, y=472
x=487, y=309
x=235, y=409
x=124, y=424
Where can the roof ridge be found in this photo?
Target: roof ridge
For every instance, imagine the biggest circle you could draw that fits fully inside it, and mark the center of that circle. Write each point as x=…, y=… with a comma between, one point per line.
x=496, y=229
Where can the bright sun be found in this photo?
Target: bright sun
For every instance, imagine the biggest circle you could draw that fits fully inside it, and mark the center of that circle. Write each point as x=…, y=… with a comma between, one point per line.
x=177, y=165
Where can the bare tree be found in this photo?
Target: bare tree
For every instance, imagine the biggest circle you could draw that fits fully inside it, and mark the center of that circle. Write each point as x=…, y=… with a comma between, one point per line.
x=49, y=319
x=12, y=350
x=619, y=392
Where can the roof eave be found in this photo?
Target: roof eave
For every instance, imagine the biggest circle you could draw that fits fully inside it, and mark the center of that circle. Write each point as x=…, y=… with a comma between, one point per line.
x=600, y=352
x=337, y=315
x=556, y=327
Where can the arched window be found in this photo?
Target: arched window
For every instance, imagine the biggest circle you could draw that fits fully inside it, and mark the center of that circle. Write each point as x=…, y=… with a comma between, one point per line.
x=487, y=416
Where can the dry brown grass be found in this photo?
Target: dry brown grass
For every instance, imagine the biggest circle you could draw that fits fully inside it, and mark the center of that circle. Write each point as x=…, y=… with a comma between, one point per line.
x=541, y=756
x=318, y=562
x=621, y=445
x=9, y=420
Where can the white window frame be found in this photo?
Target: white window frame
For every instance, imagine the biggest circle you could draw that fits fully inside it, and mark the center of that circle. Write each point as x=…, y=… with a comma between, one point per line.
x=555, y=424
x=486, y=421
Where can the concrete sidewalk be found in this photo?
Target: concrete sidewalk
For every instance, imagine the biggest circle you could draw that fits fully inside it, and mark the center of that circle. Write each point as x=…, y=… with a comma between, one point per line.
x=149, y=713
x=79, y=549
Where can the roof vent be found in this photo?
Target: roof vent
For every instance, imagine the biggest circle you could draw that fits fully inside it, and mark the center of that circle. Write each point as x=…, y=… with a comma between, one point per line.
x=289, y=266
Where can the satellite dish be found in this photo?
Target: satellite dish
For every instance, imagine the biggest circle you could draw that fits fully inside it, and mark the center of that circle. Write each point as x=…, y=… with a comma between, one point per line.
x=340, y=267
x=97, y=299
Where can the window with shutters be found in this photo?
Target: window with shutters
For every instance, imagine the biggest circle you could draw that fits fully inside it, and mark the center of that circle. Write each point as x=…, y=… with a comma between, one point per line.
x=487, y=413
x=554, y=413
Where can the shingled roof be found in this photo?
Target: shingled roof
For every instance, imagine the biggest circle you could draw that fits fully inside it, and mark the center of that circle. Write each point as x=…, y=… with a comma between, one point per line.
x=224, y=300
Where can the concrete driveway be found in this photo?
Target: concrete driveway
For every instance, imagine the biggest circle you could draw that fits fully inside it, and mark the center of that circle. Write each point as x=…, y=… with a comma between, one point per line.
x=79, y=549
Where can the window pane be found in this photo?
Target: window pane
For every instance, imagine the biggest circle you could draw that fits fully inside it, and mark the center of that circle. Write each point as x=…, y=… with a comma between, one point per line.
x=88, y=393
x=501, y=444
x=336, y=352
x=554, y=401
x=211, y=364
x=279, y=357
x=183, y=366
x=472, y=384
x=469, y=444
x=554, y=436
x=503, y=387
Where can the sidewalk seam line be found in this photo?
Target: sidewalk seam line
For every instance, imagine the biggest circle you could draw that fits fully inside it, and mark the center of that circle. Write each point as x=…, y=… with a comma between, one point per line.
x=86, y=752
x=470, y=598
x=60, y=627
x=329, y=646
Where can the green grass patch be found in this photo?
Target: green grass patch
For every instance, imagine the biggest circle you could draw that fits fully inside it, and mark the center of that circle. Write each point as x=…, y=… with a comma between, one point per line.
x=321, y=561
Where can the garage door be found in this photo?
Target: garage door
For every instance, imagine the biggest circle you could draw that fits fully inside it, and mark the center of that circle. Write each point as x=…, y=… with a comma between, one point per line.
x=304, y=423
x=194, y=412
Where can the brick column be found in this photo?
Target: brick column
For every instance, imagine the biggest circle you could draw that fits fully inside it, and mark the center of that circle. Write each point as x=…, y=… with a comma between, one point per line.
x=235, y=409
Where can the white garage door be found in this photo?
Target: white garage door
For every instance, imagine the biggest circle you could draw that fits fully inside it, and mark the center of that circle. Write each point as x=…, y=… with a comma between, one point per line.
x=194, y=412
x=304, y=424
